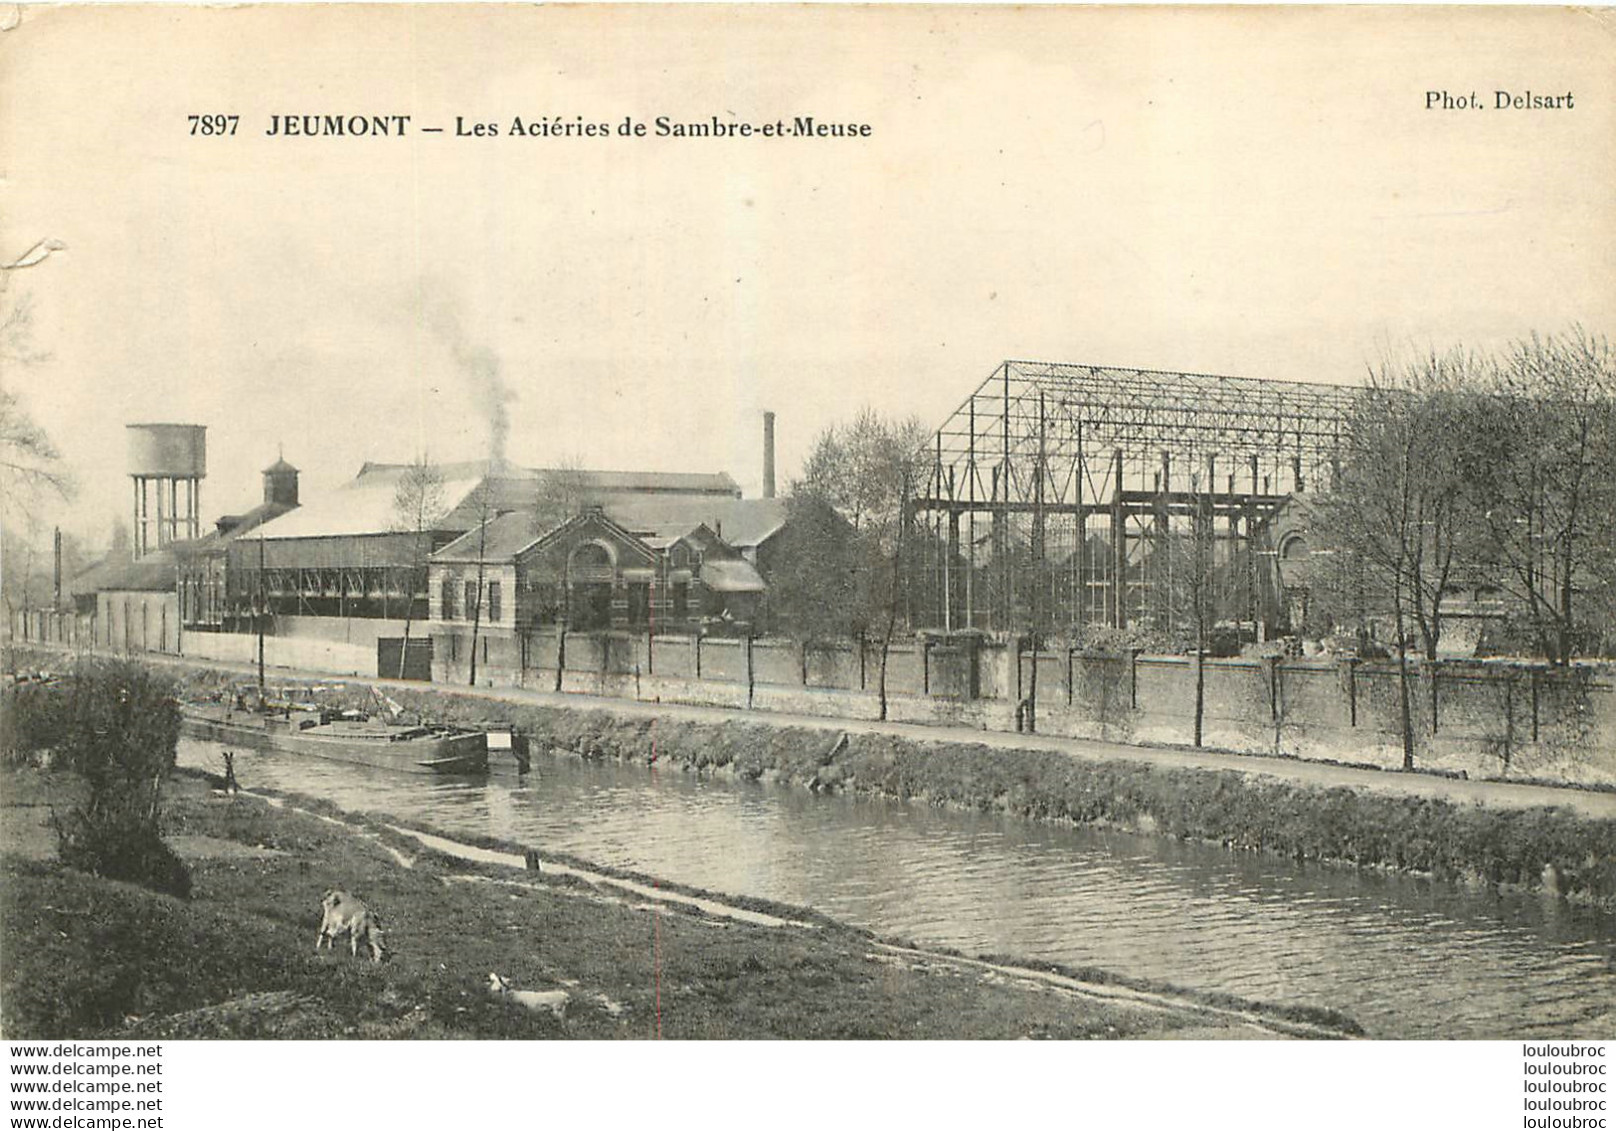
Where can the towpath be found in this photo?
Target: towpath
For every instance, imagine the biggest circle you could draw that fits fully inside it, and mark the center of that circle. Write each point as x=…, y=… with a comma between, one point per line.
x=1494, y=794
x=1503, y=795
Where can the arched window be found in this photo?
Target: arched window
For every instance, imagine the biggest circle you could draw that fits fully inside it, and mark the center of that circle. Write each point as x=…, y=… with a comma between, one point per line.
x=592, y=555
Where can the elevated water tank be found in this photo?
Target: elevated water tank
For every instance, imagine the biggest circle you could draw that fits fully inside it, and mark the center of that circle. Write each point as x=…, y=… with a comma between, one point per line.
x=168, y=451
x=167, y=463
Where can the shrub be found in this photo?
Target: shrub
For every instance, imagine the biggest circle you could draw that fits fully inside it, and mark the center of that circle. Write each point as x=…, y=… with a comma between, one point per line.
x=120, y=846
x=117, y=729
x=30, y=719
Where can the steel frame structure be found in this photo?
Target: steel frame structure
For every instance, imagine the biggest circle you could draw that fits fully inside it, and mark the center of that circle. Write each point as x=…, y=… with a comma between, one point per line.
x=1082, y=473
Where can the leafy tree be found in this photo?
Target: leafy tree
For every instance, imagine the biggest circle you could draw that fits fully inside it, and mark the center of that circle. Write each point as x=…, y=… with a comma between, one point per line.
x=867, y=472
x=813, y=584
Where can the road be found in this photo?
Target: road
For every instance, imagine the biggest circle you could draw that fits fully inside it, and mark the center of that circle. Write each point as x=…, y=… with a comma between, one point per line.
x=1324, y=775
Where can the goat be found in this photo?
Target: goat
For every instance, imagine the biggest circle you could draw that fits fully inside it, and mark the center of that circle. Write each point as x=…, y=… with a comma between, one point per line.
x=539, y=1001
x=344, y=912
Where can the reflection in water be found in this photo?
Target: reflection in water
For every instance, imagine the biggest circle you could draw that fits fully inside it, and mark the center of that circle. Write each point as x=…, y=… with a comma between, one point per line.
x=1405, y=957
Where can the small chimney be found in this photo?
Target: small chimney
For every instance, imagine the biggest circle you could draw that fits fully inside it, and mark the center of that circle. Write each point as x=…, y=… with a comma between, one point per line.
x=768, y=455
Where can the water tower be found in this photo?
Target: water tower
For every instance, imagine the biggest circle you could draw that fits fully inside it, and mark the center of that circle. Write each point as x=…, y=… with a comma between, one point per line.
x=167, y=463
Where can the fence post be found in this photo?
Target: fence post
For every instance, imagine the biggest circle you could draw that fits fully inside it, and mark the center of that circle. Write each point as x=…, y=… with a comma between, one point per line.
x=1068, y=675
x=1435, y=674
x=1015, y=660
x=1352, y=691
x=1534, y=703
x=1133, y=679
x=697, y=640
x=1509, y=715
x=749, y=682
x=1279, y=688
x=925, y=667
x=1271, y=663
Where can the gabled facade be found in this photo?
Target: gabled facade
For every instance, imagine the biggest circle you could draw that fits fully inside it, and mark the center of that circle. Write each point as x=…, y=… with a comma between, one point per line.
x=506, y=580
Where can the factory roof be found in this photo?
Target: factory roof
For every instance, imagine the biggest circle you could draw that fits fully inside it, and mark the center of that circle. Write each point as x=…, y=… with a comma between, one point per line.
x=367, y=505
x=590, y=479
x=742, y=523
x=232, y=526
x=154, y=573
x=508, y=535
x=501, y=540
x=726, y=575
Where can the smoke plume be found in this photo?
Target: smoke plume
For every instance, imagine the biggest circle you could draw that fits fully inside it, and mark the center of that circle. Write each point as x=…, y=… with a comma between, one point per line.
x=488, y=392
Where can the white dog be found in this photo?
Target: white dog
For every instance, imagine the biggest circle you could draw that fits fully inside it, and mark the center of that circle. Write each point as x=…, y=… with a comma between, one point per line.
x=552, y=1001
x=344, y=912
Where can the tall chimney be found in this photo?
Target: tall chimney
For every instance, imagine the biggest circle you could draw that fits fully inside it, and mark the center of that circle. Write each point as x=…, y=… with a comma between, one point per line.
x=768, y=455
x=56, y=572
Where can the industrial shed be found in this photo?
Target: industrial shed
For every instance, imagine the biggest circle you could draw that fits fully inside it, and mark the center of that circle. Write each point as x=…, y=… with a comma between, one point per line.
x=205, y=600
x=350, y=555
x=137, y=604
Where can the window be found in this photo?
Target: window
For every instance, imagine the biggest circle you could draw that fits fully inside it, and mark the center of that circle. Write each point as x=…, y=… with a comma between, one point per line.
x=472, y=611
x=448, y=612
x=591, y=556
x=493, y=601
x=681, y=599
x=639, y=604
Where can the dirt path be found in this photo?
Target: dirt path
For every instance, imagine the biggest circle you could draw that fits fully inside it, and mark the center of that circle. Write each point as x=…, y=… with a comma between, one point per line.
x=1494, y=794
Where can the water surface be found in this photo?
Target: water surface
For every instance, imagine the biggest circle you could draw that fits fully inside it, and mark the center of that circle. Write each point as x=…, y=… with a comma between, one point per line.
x=1405, y=957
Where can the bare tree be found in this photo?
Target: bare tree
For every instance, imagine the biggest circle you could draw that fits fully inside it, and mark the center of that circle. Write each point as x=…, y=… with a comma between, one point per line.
x=1188, y=604
x=560, y=494
x=1399, y=503
x=481, y=501
x=418, y=504
x=1545, y=487
x=31, y=467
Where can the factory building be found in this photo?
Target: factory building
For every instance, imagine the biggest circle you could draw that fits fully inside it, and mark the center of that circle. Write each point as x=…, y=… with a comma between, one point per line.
x=350, y=569
x=206, y=602
x=136, y=599
x=508, y=586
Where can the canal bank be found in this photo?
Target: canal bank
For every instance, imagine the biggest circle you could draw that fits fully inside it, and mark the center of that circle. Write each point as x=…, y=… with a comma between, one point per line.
x=1506, y=836
x=1474, y=833
x=637, y=957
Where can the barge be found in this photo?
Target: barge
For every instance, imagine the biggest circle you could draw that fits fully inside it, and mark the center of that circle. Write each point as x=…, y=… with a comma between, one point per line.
x=349, y=737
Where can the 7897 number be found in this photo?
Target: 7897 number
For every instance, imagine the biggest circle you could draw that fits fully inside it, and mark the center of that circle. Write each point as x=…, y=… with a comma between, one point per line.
x=213, y=125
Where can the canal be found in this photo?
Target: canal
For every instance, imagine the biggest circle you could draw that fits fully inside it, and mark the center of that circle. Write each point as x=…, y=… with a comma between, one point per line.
x=1405, y=957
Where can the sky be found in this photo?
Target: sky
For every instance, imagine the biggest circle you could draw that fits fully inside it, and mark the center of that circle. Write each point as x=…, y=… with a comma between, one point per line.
x=1262, y=193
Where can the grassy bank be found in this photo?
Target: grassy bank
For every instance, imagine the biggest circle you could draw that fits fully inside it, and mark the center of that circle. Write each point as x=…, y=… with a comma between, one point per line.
x=1574, y=856
x=1529, y=849
x=92, y=957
